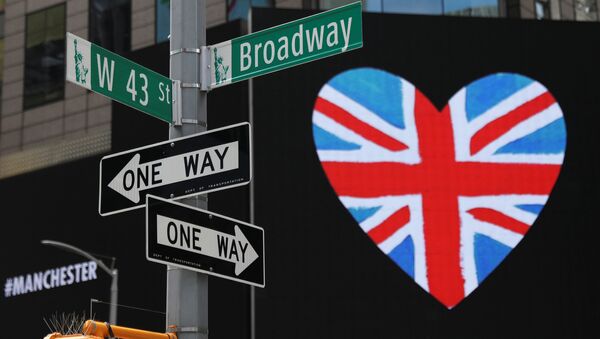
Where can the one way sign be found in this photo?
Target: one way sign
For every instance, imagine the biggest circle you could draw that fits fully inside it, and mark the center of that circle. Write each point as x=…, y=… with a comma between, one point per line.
x=200, y=240
x=177, y=168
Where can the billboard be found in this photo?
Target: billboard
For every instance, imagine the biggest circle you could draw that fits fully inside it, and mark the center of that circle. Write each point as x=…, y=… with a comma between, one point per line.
x=437, y=183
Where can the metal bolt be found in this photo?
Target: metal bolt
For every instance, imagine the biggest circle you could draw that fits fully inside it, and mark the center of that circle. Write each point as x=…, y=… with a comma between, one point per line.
x=210, y=269
x=172, y=195
x=172, y=144
x=210, y=216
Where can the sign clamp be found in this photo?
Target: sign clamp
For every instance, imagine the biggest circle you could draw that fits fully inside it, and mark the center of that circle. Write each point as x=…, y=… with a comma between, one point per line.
x=187, y=329
x=178, y=85
x=185, y=50
x=177, y=107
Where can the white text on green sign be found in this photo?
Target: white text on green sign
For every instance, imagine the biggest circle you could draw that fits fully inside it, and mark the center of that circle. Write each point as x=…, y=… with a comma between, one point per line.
x=318, y=36
x=118, y=78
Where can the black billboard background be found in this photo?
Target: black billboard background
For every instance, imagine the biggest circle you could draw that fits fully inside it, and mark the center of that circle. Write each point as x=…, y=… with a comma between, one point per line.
x=327, y=279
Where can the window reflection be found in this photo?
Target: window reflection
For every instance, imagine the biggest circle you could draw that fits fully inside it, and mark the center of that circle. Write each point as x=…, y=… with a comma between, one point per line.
x=329, y=4
x=412, y=6
x=44, y=57
x=110, y=24
x=586, y=10
x=163, y=19
x=542, y=9
x=238, y=9
x=487, y=8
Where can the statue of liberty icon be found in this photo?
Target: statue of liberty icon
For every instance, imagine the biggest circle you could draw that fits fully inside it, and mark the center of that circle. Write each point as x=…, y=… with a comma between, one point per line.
x=220, y=69
x=80, y=70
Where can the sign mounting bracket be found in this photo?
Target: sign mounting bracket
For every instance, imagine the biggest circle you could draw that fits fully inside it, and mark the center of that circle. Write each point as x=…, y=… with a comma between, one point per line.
x=178, y=85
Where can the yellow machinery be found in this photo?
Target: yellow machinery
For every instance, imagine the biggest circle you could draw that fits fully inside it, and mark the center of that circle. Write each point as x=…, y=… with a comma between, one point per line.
x=97, y=330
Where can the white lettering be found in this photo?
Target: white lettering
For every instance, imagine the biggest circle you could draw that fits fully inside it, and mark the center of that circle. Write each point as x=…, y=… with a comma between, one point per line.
x=245, y=58
x=47, y=284
x=18, y=285
x=332, y=36
x=84, y=271
x=77, y=272
x=160, y=89
x=103, y=72
x=298, y=35
x=269, y=45
x=346, y=33
x=63, y=276
x=54, y=276
x=70, y=275
x=28, y=284
x=315, y=39
x=51, y=278
x=256, y=51
x=38, y=279
x=92, y=270
x=283, y=50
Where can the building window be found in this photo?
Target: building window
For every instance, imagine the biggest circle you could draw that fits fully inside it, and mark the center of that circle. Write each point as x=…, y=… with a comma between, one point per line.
x=483, y=8
x=44, y=57
x=238, y=9
x=542, y=9
x=163, y=20
x=434, y=7
x=586, y=10
x=110, y=24
x=329, y=4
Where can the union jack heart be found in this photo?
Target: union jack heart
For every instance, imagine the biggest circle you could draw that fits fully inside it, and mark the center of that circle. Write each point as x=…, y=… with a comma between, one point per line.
x=446, y=195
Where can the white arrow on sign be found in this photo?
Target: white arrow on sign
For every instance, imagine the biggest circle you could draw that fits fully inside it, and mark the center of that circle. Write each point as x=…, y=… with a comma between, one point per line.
x=193, y=238
x=136, y=177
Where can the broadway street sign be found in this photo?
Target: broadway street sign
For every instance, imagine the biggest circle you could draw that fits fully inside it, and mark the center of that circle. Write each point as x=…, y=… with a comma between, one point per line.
x=318, y=36
x=120, y=79
x=199, y=240
x=177, y=168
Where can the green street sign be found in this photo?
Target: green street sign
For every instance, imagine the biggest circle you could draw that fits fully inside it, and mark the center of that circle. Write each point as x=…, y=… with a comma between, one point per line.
x=318, y=36
x=107, y=73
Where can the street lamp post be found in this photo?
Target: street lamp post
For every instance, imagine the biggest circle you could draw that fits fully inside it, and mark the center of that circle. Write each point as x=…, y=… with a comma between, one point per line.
x=113, y=272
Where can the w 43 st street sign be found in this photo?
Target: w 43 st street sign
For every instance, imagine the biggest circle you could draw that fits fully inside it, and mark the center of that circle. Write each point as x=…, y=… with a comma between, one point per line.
x=176, y=168
x=118, y=78
x=318, y=36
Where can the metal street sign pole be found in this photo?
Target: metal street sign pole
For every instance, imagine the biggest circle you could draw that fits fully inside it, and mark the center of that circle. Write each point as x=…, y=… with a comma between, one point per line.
x=187, y=291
